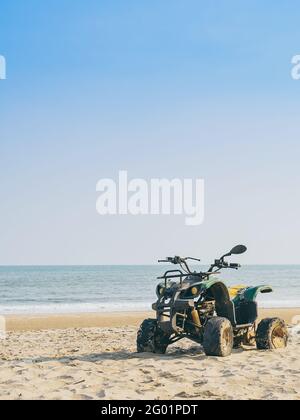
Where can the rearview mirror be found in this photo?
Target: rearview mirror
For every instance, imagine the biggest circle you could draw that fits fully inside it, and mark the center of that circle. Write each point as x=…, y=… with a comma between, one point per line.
x=239, y=249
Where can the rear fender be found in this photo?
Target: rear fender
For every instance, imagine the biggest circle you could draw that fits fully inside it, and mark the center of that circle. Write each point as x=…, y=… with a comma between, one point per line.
x=250, y=293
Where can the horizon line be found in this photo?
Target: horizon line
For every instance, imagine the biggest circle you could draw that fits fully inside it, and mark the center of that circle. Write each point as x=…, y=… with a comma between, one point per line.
x=137, y=265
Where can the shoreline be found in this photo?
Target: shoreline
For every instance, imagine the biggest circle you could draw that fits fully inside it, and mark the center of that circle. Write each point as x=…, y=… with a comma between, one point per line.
x=108, y=319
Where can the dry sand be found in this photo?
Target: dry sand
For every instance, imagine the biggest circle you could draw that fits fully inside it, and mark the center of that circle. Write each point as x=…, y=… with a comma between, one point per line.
x=94, y=357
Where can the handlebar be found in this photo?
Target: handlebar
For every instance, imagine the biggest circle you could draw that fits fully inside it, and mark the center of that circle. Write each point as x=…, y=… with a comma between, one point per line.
x=234, y=266
x=180, y=261
x=218, y=264
x=214, y=268
x=169, y=260
x=224, y=264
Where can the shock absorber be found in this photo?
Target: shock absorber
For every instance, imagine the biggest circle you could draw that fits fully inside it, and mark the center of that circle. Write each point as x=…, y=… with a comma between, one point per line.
x=196, y=318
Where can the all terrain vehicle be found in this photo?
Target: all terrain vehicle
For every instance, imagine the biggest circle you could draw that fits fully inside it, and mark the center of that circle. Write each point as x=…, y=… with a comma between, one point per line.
x=200, y=307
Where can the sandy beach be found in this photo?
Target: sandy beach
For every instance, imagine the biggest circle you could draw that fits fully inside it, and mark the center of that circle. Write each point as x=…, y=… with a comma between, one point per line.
x=92, y=356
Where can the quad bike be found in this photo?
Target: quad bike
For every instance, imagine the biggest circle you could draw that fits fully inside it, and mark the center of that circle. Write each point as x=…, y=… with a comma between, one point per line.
x=197, y=306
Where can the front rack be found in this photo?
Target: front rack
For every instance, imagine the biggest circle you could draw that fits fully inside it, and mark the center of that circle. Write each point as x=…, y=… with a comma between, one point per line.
x=168, y=275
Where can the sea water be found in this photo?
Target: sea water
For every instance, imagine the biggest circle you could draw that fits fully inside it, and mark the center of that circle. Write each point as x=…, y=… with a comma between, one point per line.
x=73, y=289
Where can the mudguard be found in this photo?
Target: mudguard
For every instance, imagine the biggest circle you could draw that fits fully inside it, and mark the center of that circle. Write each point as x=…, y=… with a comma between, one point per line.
x=220, y=293
x=208, y=284
x=244, y=293
x=249, y=294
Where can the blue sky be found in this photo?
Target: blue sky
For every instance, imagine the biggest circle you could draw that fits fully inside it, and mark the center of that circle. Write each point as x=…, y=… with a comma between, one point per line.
x=162, y=89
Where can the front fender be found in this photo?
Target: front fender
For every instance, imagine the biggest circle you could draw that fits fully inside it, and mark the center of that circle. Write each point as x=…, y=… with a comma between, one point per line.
x=218, y=289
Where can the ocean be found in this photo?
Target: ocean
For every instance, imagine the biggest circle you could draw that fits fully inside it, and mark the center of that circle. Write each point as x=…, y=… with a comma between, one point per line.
x=77, y=289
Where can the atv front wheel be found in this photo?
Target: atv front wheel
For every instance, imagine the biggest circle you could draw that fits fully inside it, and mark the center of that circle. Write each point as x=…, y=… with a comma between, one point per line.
x=218, y=337
x=271, y=334
x=151, y=338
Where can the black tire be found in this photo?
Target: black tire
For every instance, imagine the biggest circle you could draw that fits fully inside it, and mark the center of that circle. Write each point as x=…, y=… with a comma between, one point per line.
x=271, y=334
x=218, y=337
x=151, y=339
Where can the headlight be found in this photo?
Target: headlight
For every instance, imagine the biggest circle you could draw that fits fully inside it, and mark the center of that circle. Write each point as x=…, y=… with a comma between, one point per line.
x=160, y=290
x=194, y=291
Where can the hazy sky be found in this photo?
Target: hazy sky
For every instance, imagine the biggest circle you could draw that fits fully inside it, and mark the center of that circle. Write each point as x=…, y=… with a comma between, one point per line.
x=161, y=89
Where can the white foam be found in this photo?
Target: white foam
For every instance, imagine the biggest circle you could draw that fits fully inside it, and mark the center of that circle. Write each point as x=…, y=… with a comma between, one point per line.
x=66, y=308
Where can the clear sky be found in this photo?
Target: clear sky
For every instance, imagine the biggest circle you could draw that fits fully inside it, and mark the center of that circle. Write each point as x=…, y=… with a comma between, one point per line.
x=162, y=89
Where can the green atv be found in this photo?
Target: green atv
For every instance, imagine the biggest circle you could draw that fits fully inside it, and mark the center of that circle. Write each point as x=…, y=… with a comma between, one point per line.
x=197, y=306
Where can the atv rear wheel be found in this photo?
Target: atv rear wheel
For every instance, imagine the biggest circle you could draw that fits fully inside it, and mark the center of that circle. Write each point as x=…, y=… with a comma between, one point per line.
x=271, y=334
x=218, y=337
x=151, y=339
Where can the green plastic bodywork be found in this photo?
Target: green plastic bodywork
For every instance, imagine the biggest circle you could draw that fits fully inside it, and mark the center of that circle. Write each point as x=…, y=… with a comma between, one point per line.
x=249, y=293
x=207, y=284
